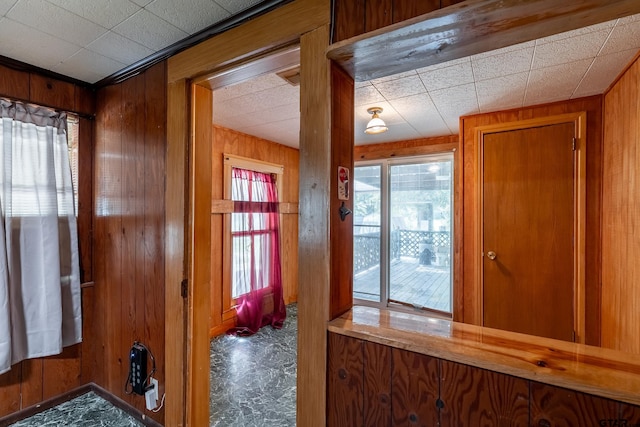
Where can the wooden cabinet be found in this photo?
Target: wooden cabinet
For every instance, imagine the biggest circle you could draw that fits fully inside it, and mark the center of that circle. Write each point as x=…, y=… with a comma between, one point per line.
x=371, y=384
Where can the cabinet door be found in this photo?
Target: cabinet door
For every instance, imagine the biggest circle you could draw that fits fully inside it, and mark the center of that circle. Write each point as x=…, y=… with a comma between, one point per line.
x=558, y=407
x=415, y=390
x=477, y=397
x=345, y=382
x=377, y=385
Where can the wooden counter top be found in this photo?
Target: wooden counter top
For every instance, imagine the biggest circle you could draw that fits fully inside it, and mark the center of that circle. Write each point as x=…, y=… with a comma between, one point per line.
x=602, y=372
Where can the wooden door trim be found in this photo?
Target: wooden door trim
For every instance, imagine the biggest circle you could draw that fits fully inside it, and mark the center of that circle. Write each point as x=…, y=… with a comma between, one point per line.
x=579, y=119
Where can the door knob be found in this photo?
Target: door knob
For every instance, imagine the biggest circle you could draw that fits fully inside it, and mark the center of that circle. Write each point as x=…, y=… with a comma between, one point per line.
x=491, y=255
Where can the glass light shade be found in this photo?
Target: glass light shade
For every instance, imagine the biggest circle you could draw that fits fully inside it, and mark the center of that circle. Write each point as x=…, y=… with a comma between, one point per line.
x=376, y=125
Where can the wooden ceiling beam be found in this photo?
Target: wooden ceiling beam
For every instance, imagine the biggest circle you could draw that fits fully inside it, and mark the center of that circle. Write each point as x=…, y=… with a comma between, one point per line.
x=467, y=28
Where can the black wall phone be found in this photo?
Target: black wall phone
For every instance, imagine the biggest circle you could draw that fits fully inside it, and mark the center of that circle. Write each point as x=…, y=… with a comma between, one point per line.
x=138, y=378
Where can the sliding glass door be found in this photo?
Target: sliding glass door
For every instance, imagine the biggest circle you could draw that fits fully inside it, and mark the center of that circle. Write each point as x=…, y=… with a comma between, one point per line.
x=403, y=232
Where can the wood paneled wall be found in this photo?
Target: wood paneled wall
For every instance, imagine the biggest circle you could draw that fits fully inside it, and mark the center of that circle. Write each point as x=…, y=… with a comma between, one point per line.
x=593, y=107
x=621, y=214
x=33, y=381
x=227, y=141
x=129, y=218
x=356, y=17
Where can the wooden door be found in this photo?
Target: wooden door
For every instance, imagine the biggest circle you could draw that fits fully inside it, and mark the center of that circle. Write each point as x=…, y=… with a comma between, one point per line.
x=528, y=223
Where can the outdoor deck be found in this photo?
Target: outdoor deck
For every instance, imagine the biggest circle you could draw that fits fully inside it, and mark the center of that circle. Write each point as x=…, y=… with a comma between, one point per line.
x=412, y=283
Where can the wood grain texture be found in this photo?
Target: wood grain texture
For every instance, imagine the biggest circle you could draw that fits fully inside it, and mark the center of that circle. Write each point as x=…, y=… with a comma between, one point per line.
x=599, y=371
x=198, y=357
x=55, y=93
x=415, y=389
x=407, y=9
x=621, y=214
x=413, y=147
x=227, y=141
x=593, y=107
x=253, y=38
x=345, y=382
x=342, y=130
x=176, y=253
x=377, y=384
x=314, y=256
x=479, y=26
x=129, y=228
x=477, y=397
x=10, y=391
x=14, y=83
x=558, y=407
x=85, y=199
x=378, y=14
x=348, y=19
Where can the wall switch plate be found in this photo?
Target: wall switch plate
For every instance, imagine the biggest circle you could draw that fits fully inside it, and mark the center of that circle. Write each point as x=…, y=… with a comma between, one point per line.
x=151, y=395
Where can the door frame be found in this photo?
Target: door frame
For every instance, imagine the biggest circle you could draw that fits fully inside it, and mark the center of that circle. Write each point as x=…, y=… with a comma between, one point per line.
x=579, y=120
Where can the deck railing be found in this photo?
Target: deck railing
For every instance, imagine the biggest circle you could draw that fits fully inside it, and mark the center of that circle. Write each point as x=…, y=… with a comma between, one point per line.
x=408, y=243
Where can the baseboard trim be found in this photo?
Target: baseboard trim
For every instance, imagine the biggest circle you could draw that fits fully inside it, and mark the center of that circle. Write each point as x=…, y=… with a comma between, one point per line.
x=72, y=394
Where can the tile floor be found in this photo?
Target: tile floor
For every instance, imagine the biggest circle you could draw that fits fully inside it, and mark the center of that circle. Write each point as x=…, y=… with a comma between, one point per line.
x=253, y=384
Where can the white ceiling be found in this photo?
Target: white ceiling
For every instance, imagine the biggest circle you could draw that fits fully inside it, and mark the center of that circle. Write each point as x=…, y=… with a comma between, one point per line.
x=92, y=39
x=429, y=101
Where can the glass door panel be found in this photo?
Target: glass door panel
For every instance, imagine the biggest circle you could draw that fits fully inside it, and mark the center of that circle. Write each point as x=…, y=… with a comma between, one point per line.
x=367, y=232
x=420, y=214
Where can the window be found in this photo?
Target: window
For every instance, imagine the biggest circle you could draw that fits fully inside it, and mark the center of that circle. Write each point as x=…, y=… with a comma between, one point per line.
x=403, y=232
x=72, y=141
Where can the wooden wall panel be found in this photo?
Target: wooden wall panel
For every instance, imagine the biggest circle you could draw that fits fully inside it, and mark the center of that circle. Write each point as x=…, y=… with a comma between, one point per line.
x=348, y=19
x=227, y=141
x=474, y=397
x=407, y=9
x=415, y=389
x=377, y=384
x=555, y=406
x=621, y=214
x=129, y=228
x=345, y=379
x=342, y=124
x=378, y=14
x=30, y=382
x=593, y=107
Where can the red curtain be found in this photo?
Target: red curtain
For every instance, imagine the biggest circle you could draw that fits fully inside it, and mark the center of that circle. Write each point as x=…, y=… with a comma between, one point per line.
x=256, y=252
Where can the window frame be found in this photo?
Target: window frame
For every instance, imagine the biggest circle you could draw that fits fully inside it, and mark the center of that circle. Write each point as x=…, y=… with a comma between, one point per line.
x=233, y=161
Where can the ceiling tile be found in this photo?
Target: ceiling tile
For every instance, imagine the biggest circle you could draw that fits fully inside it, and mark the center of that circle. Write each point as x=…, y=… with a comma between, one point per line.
x=628, y=19
x=56, y=21
x=149, y=30
x=119, y=48
x=367, y=95
x=555, y=83
x=504, y=50
x=263, y=100
x=400, y=88
x=502, y=93
x=441, y=78
x=569, y=49
x=442, y=65
x=489, y=67
x=456, y=101
x=623, y=37
x=599, y=77
x=579, y=32
x=396, y=132
x=420, y=112
x=188, y=15
x=254, y=85
x=286, y=132
x=235, y=6
x=5, y=5
x=88, y=66
x=394, y=77
x=39, y=48
x=142, y=3
x=107, y=13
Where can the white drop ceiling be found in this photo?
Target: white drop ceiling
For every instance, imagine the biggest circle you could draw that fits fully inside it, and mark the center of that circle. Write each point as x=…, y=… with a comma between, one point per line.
x=92, y=39
x=429, y=101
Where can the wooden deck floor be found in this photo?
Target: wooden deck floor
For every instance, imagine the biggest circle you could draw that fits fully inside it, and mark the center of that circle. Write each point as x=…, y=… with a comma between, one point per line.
x=421, y=285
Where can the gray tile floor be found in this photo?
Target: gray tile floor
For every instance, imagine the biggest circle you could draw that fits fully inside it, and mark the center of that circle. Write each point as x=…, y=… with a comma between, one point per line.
x=253, y=380
x=253, y=384
x=88, y=410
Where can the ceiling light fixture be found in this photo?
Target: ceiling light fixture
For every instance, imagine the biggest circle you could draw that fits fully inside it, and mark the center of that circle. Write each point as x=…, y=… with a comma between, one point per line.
x=375, y=125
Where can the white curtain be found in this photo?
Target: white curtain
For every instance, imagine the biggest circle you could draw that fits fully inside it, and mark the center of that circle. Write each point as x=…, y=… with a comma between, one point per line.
x=40, y=308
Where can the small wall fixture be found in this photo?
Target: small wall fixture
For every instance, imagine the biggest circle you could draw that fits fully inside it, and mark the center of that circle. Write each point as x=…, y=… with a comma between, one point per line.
x=375, y=125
